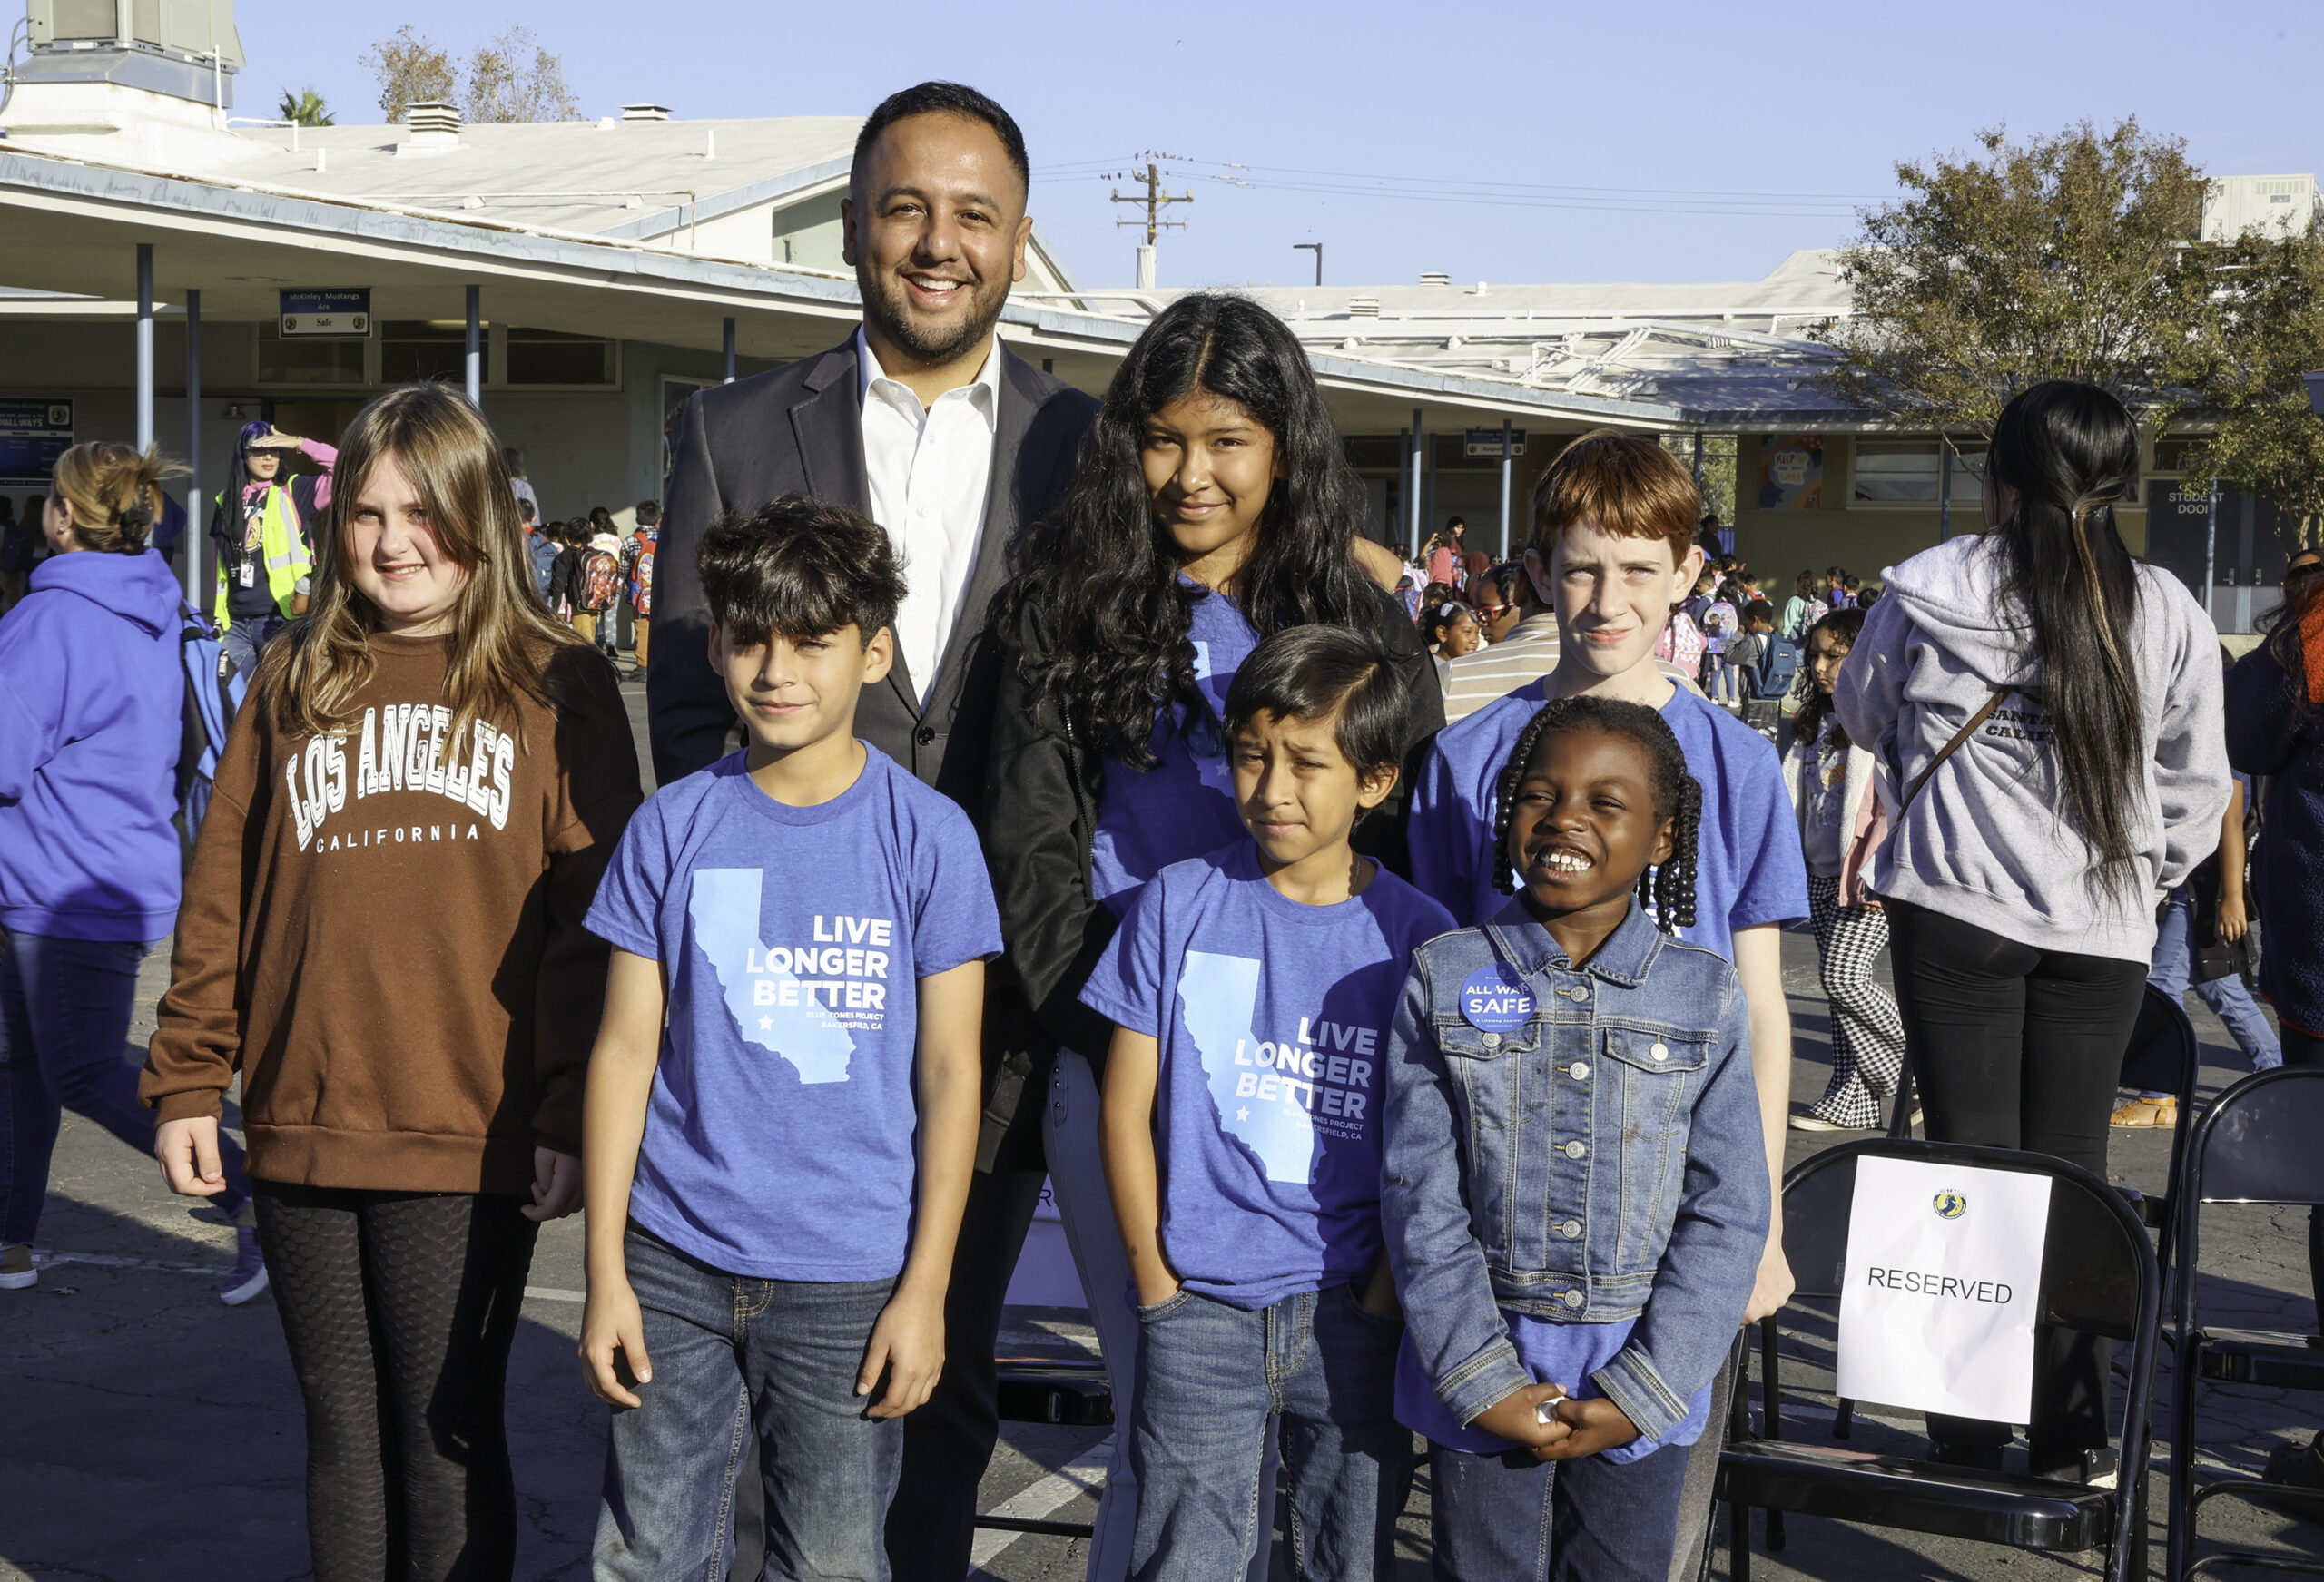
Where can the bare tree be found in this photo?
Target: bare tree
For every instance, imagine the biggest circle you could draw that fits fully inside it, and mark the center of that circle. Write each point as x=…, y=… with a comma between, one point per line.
x=511, y=78
x=410, y=70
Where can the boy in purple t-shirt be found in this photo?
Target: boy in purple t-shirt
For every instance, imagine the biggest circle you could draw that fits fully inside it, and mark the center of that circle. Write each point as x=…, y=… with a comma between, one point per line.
x=1612, y=549
x=1251, y=992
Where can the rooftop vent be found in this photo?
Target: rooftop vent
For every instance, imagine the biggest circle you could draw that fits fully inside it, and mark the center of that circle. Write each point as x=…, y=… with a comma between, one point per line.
x=433, y=123
x=645, y=112
x=1435, y=278
x=1363, y=306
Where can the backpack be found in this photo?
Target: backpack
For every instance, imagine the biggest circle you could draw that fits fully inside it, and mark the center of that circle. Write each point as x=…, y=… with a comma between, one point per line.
x=600, y=578
x=641, y=578
x=1777, y=668
x=213, y=696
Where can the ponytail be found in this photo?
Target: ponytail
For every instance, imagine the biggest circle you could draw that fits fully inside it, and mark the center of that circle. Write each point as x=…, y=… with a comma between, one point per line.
x=116, y=493
x=2071, y=450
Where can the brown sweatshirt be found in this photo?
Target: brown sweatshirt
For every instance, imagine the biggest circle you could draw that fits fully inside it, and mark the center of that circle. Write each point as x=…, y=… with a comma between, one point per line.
x=382, y=931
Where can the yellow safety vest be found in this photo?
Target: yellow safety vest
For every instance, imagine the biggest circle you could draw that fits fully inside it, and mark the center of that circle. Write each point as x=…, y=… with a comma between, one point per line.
x=278, y=541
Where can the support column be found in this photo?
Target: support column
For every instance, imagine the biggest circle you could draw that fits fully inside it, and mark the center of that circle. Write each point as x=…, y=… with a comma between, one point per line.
x=2211, y=543
x=144, y=344
x=476, y=347
x=730, y=352
x=196, y=522
x=1506, y=469
x=1418, y=417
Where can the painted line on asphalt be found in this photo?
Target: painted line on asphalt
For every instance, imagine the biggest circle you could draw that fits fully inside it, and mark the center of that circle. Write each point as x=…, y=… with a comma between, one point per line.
x=41, y=1260
x=553, y=1293
x=1085, y=1474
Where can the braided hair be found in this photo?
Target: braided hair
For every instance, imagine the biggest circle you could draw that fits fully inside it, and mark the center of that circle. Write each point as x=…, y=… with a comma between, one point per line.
x=1667, y=889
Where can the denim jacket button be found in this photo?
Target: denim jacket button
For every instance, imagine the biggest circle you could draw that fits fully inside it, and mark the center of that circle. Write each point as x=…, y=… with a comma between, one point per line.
x=1491, y=1040
x=1571, y=1228
x=1575, y=1149
x=1661, y=1051
x=1573, y=1298
x=1579, y=1070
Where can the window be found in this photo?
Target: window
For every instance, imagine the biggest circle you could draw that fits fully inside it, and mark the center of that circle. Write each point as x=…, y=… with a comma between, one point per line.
x=551, y=357
x=1910, y=472
x=413, y=349
x=306, y=362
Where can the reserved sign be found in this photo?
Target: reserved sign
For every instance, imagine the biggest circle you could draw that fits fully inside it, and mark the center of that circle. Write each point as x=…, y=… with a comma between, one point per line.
x=1937, y=1293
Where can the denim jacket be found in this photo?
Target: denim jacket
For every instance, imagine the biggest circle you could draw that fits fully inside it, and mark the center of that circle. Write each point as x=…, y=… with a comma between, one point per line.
x=1602, y=1162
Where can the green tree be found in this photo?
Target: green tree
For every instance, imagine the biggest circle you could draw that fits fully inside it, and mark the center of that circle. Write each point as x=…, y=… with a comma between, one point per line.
x=512, y=79
x=410, y=70
x=2262, y=328
x=2064, y=257
x=305, y=108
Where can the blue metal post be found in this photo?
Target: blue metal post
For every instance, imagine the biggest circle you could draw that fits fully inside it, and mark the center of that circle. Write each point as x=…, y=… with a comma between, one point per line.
x=476, y=347
x=144, y=344
x=730, y=352
x=193, y=536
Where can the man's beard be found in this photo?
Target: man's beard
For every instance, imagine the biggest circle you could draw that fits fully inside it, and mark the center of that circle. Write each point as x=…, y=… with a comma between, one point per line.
x=886, y=305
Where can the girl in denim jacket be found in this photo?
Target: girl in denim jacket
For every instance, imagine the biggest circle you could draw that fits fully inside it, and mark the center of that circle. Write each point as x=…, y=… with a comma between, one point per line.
x=1574, y=1187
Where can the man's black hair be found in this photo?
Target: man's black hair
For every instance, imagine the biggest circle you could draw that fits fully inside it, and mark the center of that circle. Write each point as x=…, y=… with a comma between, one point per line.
x=798, y=568
x=649, y=513
x=944, y=99
x=1310, y=673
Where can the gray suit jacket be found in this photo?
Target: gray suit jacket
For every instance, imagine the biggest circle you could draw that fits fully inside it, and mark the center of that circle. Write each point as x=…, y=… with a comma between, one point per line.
x=799, y=430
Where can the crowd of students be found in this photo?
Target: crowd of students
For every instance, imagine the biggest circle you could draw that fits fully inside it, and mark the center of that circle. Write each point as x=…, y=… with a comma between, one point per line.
x=1407, y=1043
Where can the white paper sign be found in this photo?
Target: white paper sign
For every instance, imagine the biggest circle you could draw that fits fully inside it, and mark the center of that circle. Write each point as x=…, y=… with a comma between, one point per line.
x=1937, y=1297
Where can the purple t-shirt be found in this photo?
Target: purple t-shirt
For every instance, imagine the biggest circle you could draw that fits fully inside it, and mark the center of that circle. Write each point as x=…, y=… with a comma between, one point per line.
x=1271, y=1017
x=1185, y=805
x=1748, y=870
x=780, y=1133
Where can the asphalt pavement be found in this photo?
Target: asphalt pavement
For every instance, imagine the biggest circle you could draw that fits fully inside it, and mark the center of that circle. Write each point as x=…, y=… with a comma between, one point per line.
x=147, y=1431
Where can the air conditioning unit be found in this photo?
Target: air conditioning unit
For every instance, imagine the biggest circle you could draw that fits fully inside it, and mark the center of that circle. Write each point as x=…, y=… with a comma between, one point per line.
x=2272, y=205
x=192, y=29
x=1435, y=278
x=1363, y=306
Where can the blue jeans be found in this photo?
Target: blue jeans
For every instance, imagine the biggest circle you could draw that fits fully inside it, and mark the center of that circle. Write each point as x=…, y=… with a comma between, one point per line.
x=1512, y=1518
x=64, y=1007
x=1726, y=682
x=733, y=1355
x=2230, y=999
x=246, y=638
x=1209, y=1378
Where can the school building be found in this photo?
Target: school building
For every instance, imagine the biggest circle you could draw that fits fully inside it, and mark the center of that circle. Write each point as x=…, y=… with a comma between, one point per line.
x=174, y=269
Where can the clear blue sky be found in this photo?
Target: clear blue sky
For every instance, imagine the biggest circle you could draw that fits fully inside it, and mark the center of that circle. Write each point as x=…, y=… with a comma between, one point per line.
x=1653, y=142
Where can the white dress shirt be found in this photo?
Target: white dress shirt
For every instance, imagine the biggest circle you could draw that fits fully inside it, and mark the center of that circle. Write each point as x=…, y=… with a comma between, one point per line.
x=929, y=469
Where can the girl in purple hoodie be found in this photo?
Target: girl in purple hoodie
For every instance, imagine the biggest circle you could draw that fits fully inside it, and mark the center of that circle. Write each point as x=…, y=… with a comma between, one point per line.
x=91, y=693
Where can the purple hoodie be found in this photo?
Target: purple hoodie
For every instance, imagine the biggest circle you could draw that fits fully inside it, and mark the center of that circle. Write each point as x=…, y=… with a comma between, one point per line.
x=90, y=702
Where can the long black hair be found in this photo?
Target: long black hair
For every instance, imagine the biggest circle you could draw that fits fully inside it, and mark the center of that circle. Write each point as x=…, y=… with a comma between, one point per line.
x=1101, y=572
x=1815, y=702
x=2071, y=451
x=1667, y=889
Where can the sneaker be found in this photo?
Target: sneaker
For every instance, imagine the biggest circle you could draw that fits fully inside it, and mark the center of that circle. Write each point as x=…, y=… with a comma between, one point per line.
x=17, y=1271
x=2144, y=1111
x=1809, y=1121
x=249, y=1278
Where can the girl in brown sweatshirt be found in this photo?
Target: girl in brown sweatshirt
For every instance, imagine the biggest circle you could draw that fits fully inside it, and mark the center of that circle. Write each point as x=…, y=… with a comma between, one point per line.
x=382, y=933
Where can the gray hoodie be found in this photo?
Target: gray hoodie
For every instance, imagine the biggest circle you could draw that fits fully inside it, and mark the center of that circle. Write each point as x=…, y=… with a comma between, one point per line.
x=1989, y=840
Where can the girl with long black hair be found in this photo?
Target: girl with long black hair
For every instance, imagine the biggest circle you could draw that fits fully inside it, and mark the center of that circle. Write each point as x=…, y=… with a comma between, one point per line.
x=1213, y=504
x=2044, y=713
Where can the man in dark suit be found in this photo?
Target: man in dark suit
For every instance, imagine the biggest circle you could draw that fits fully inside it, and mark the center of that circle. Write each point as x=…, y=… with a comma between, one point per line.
x=922, y=420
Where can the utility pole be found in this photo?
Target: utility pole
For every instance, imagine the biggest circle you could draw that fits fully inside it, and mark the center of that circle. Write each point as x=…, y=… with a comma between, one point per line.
x=1154, y=200
x=1317, y=249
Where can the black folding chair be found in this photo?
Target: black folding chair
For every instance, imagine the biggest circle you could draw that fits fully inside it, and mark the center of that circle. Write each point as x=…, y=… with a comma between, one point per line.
x=1073, y=1392
x=2165, y=1057
x=2099, y=1277
x=2258, y=1144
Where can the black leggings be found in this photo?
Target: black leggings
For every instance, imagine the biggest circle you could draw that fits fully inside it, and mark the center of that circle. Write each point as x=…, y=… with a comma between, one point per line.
x=2307, y=1049
x=2015, y=1046
x=400, y=1309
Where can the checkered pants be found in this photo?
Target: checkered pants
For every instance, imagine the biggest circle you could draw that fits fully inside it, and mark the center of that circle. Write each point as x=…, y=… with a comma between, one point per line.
x=1867, y=1035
